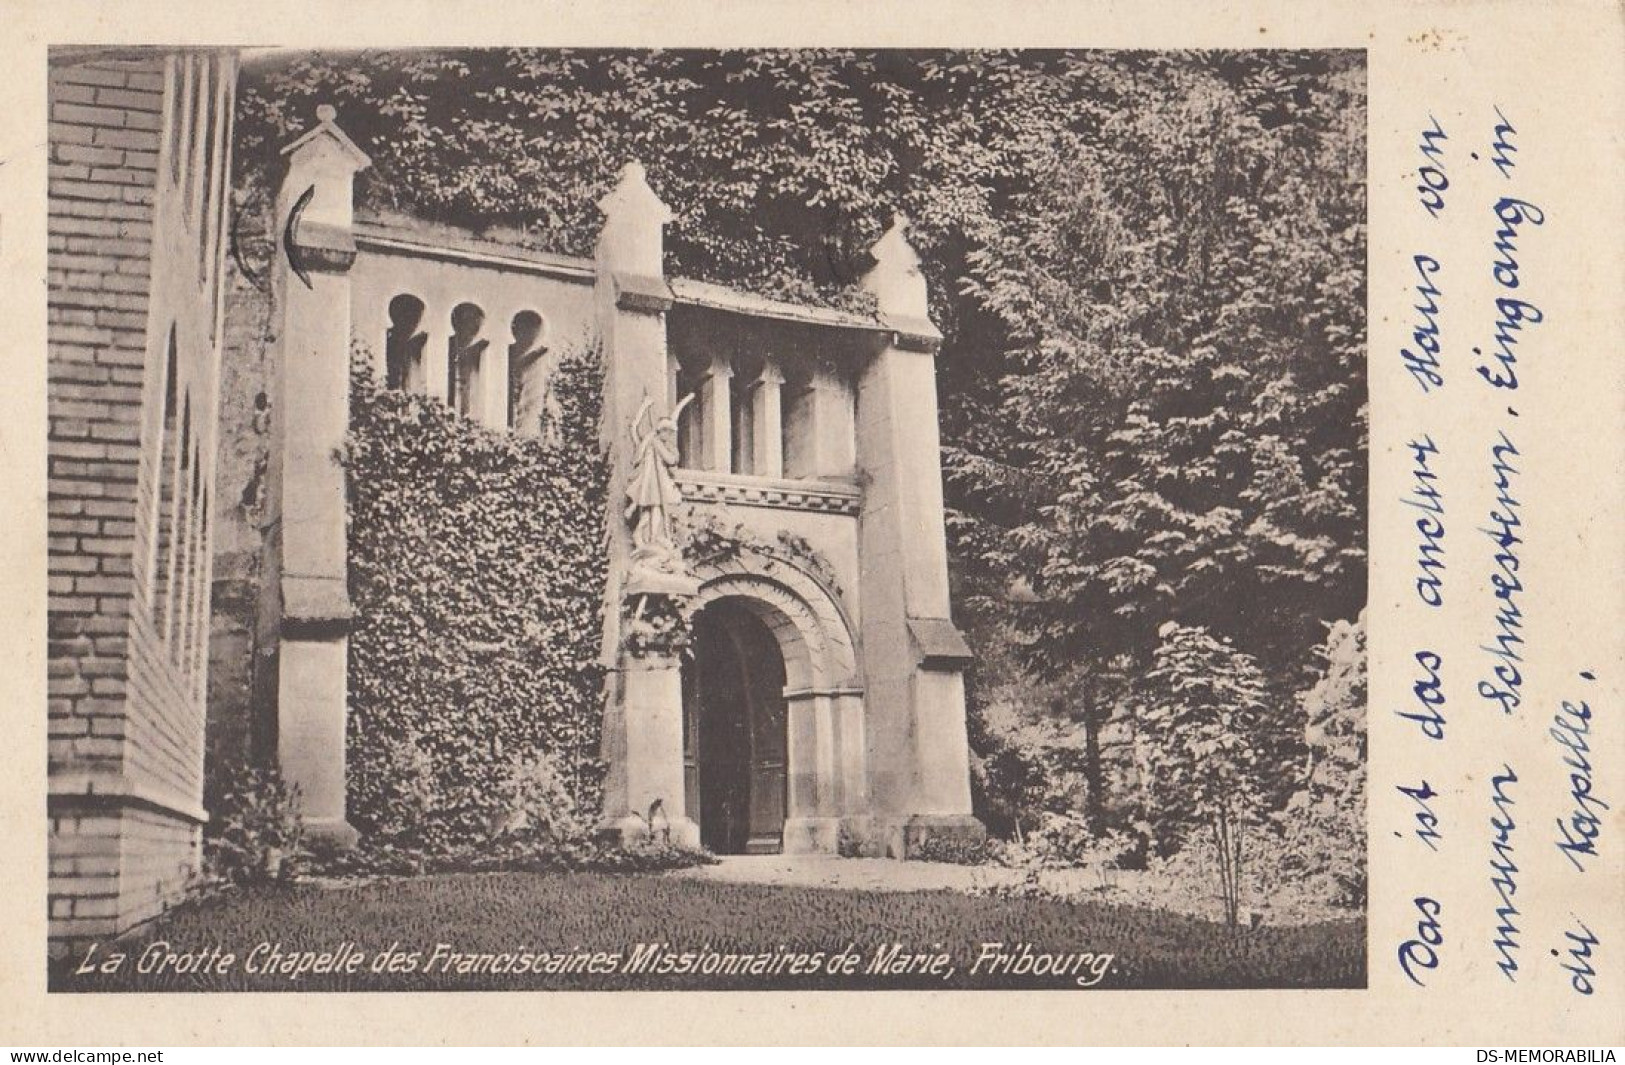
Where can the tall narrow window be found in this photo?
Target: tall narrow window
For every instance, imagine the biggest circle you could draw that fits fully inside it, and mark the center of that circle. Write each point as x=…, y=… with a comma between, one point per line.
x=686, y=384
x=739, y=420
x=201, y=607
x=403, y=344
x=174, y=95
x=174, y=511
x=186, y=579
x=747, y=369
x=163, y=503
x=208, y=176
x=197, y=641
x=800, y=426
x=463, y=353
x=530, y=399
x=197, y=145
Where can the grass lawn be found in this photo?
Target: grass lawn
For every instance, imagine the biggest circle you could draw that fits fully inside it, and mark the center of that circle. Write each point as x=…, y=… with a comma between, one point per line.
x=505, y=916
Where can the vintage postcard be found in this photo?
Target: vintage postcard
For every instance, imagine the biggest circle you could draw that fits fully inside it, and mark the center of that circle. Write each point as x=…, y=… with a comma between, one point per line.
x=805, y=510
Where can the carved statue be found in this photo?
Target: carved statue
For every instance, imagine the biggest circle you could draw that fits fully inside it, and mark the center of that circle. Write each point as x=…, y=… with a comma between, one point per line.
x=652, y=491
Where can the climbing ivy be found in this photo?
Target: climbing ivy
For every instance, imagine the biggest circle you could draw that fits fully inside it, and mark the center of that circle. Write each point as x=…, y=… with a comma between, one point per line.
x=477, y=571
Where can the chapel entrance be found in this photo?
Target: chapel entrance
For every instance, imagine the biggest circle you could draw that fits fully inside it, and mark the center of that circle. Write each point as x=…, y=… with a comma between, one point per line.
x=734, y=736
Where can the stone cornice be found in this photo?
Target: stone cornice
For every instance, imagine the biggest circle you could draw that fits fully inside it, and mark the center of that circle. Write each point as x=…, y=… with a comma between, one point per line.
x=938, y=644
x=324, y=248
x=642, y=295
x=826, y=497
x=914, y=334
x=383, y=238
x=707, y=296
x=315, y=607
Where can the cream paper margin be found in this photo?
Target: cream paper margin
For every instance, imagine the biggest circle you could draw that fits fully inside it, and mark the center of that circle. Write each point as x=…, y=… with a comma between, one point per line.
x=1556, y=69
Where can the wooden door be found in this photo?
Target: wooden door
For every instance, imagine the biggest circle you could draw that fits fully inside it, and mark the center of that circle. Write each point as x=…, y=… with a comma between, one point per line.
x=763, y=682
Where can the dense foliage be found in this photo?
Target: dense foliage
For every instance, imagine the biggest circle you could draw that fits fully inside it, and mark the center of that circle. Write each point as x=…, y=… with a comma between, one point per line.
x=477, y=568
x=1184, y=387
x=1323, y=828
x=1149, y=268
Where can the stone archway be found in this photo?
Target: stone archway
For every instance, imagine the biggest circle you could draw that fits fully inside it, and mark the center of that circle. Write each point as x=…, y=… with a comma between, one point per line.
x=825, y=763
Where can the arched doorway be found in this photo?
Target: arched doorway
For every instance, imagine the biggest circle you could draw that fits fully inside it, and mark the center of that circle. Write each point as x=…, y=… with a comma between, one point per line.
x=735, y=742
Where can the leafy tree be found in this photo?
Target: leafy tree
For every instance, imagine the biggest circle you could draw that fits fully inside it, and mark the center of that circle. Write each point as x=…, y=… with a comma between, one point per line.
x=1186, y=393
x=1205, y=746
x=1181, y=417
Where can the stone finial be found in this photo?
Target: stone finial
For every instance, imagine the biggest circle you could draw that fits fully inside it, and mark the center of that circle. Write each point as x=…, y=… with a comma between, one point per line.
x=326, y=133
x=324, y=160
x=632, y=240
x=895, y=280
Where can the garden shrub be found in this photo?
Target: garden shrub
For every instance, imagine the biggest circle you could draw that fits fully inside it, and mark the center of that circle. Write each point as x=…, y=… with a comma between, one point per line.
x=1308, y=858
x=477, y=572
x=535, y=798
x=255, y=830
x=1029, y=749
x=1062, y=841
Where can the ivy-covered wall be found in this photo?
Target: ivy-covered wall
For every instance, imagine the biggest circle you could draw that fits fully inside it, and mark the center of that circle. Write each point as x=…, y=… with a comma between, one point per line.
x=477, y=565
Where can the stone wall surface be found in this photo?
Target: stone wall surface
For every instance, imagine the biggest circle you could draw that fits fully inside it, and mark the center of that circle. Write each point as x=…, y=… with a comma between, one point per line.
x=236, y=712
x=444, y=271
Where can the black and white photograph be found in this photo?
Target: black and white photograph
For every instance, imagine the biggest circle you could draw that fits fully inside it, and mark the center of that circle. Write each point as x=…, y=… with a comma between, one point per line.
x=555, y=519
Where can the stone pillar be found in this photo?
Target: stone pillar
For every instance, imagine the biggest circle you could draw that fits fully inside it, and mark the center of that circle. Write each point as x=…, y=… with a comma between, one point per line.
x=652, y=705
x=307, y=505
x=716, y=416
x=643, y=716
x=913, y=656
x=812, y=823
x=821, y=434
x=851, y=747
x=767, y=427
x=494, y=382
x=436, y=363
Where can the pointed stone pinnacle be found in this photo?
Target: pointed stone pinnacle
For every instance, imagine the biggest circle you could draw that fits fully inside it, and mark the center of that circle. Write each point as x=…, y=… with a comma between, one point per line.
x=634, y=219
x=896, y=281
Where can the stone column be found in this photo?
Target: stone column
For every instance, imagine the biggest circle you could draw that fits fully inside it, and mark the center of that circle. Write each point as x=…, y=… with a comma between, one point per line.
x=767, y=427
x=919, y=757
x=643, y=716
x=307, y=505
x=811, y=824
x=822, y=434
x=851, y=746
x=716, y=416
x=494, y=380
x=436, y=362
x=652, y=705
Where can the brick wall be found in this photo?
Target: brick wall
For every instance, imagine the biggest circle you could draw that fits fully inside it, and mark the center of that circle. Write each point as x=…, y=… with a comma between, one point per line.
x=138, y=150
